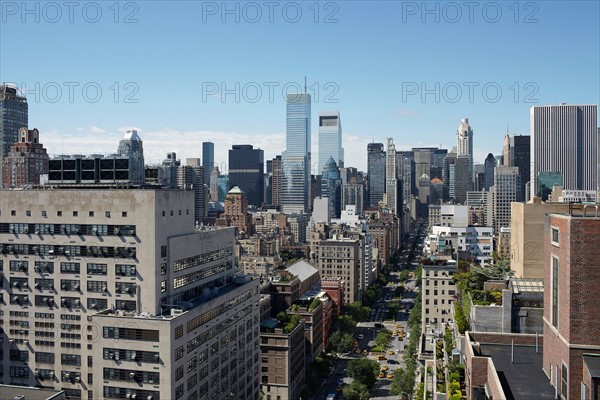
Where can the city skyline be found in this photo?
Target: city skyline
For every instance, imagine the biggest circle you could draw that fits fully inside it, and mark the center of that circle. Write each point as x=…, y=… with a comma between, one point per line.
x=390, y=99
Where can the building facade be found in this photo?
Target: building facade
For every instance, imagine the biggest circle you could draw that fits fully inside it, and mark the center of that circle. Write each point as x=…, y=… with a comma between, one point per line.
x=208, y=160
x=113, y=294
x=246, y=171
x=376, y=173
x=26, y=161
x=14, y=114
x=330, y=139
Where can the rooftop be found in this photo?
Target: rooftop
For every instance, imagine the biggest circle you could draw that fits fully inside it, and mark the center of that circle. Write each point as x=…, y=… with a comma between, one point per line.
x=302, y=269
x=10, y=392
x=523, y=379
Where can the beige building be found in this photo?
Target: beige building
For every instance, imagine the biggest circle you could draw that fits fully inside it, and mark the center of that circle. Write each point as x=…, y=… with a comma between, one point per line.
x=113, y=294
x=341, y=257
x=438, y=291
x=503, y=243
x=527, y=236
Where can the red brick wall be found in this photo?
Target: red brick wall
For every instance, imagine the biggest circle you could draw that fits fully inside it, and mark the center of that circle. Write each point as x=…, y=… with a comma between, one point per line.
x=579, y=307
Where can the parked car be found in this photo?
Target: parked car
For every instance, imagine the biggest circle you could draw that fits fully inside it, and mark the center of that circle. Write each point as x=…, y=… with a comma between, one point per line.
x=361, y=336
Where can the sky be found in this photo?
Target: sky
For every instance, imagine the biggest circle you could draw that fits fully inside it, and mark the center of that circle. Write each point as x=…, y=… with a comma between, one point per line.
x=184, y=72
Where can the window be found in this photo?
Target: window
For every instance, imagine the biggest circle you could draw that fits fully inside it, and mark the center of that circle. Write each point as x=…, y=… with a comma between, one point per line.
x=91, y=214
x=163, y=251
x=13, y=213
x=42, y=357
x=554, y=236
x=124, y=214
x=69, y=268
x=97, y=286
x=75, y=213
x=96, y=269
x=59, y=213
x=70, y=359
x=124, y=270
x=564, y=389
x=28, y=213
x=107, y=214
x=555, y=292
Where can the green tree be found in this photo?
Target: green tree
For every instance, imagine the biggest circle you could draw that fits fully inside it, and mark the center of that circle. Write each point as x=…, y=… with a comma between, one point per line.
x=346, y=324
x=357, y=311
x=403, y=382
x=364, y=371
x=382, y=338
x=341, y=342
x=404, y=275
x=356, y=391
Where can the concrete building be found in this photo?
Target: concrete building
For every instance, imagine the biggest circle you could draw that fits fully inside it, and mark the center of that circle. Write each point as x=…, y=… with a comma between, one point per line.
x=391, y=177
x=191, y=177
x=481, y=208
x=340, y=257
x=503, y=243
x=527, y=236
x=564, y=138
x=26, y=160
x=353, y=195
x=113, y=294
x=438, y=291
x=506, y=185
x=448, y=215
x=571, y=306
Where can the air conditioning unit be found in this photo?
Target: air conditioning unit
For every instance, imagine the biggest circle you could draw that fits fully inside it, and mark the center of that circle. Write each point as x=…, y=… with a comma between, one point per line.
x=51, y=252
x=23, y=267
x=128, y=396
x=132, y=375
x=132, y=355
x=77, y=379
x=132, y=232
x=37, y=269
x=77, y=286
x=111, y=355
x=37, y=286
x=117, y=231
x=94, y=231
x=36, y=373
x=104, y=289
x=67, y=376
x=94, y=306
x=75, y=230
x=11, y=230
x=51, y=374
x=65, y=287
x=67, y=252
x=37, y=232
x=128, y=289
x=25, y=341
x=134, y=396
x=16, y=284
x=25, y=230
x=149, y=397
x=61, y=250
x=156, y=357
x=117, y=356
x=51, y=286
x=118, y=290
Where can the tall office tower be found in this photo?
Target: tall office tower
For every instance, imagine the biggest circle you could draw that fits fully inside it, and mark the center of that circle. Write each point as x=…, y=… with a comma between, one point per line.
x=506, y=184
x=131, y=146
x=276, y=182
x=13, y=116
x=438, y=157
x=406, y=172
x=391, y=177
x=463, y=177
x=353, y=194
x=516, y=153
x=448, y=175
x=167, y=171
x=424, y=158
x=464, y=148
x=208, y=159
x=191, y=177
x=564, y=138
x=214, y=183
x=376, y=173
x=330, y=139
x=117, y=296
x=489, y=165
x=331, y=187
x=26, y=161
x=222, y=187
x=296, y=159
x=246, y=171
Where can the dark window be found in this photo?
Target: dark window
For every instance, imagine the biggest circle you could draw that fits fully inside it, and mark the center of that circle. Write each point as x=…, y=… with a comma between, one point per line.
x=555, y=235
x=564, y=390
x=555, y=292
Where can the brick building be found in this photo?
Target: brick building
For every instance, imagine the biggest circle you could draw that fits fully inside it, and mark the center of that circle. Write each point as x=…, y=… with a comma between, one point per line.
x=571, y=306
x=26, y=160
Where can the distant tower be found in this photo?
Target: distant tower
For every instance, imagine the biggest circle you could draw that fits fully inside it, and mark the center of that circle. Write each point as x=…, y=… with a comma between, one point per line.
x=131, y=146
x=463, y=168
x=489, y=164
x=391, y=177
x=208, y=159
x=26, y=161
x=376, y=173
x=296, y=159
x=330, y=139
x=246, y=171
x=13, y=116
x=331, y=186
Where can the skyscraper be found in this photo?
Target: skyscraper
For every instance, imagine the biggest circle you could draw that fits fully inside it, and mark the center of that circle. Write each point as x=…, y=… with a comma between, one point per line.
x=191, y=177
x=26, y=161
x=296, y=159
x=463, y=168
x=464, y=138
x=246, y=171
x=13, y=116
x=208, y=159
x=276, y=181
x=489, y=165
x=376, y=172
x=564, y=138
x=391, y=177
x=131, y=146
x=330, y=139
x=517, y=153
x=331, y=186
x=506, y=183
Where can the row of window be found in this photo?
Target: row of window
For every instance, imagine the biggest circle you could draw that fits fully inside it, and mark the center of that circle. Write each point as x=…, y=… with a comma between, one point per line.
x=68, y=268
x=201, y=259
x=68, y=229
x=68, y=250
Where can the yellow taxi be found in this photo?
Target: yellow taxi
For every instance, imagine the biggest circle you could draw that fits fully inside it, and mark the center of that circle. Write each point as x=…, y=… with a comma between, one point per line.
x=391, y=352
x=395, y=333
x=381, y=375
x=381, y=357
x=384, y=368
x=398, y=326
x=390, y=376
x=365, y=352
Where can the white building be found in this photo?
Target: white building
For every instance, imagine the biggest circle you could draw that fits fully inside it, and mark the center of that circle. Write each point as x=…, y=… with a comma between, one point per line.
x=438, y=291
x=461, y=241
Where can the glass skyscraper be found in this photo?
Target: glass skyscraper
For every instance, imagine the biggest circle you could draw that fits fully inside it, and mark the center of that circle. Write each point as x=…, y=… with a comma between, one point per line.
x=330, y=139
x=13, y=116
x=376, y=172
x=296, y=161
x=208, y=160
x=246, y=171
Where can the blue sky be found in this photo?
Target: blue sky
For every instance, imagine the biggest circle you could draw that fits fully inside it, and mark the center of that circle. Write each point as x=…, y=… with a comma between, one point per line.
x=161, y=67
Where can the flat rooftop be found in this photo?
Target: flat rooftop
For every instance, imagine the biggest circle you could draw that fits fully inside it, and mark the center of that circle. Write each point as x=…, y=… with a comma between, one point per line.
x=523, y=379
x=10, y=392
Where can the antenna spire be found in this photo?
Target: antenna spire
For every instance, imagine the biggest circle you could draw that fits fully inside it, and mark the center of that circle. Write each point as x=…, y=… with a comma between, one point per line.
x=304, y=84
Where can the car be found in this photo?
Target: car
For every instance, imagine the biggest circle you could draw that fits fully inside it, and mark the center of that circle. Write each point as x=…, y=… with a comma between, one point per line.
x=384, y=368
x=340, y=382
x=332, y=396
x=392, y=362
x=365, y=352
x=381, y=375
x=391, y=352
x=361, y=336
x=390, y=376
x=381, y=357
